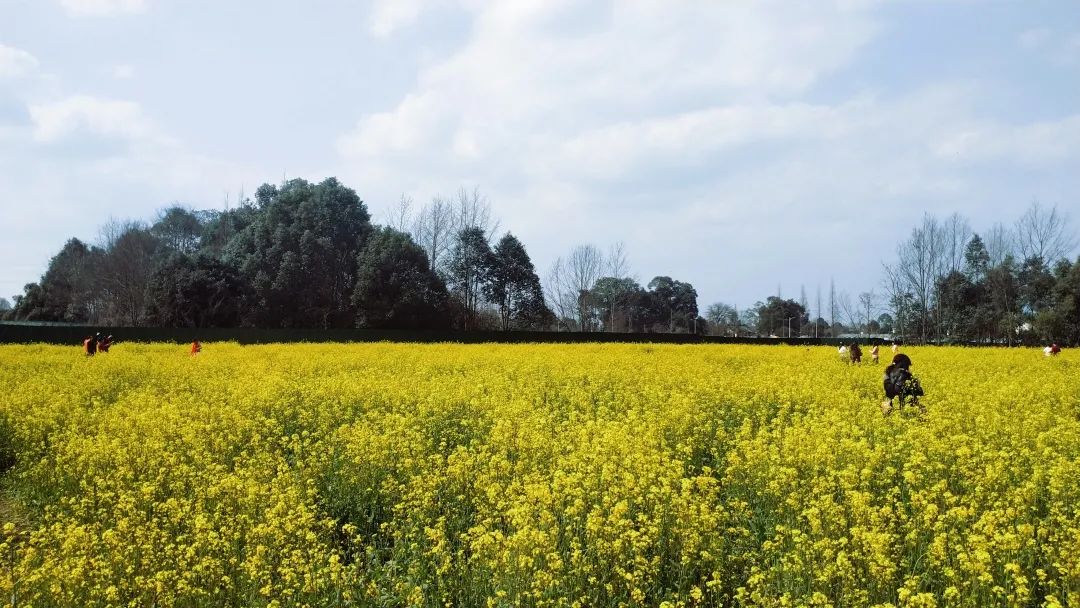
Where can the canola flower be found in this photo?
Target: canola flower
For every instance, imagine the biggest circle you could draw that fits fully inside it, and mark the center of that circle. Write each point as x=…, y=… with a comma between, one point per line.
x=535, y=475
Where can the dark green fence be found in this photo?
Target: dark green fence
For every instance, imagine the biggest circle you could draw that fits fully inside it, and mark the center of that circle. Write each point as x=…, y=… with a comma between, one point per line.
x=24, y=334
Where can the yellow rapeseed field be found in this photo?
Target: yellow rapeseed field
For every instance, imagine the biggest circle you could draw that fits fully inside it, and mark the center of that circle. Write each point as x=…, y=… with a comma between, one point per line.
x=535, y=475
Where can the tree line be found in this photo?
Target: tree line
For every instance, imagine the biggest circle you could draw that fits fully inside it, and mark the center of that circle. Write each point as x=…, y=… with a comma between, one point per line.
x=1014, y=285
x=307, y=255
x=302, y=254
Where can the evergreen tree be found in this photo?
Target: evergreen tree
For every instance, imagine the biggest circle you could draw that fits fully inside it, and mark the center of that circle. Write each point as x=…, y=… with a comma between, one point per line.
x=395, y=286
x=515, y=288
x=976, y=259
x=199, y=291
x=470, y=266
x=300, y=253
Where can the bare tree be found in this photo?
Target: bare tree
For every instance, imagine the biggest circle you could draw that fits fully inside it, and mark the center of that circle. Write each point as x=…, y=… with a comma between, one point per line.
x=956, y=232
x=113, y=229
x=433, y=230
x=724, y=319
x=898, y=297
x=583, y=267
x=617, y=264
x=400, y=216
x=849, y=310
x=125, y=273
x=867, y=305
x=832, y=306
x=437, y=226
x=1044, y=233
x=921, y=260
x=1000, y=242
x=558, y=294
x=818, y=311
x=473, y=210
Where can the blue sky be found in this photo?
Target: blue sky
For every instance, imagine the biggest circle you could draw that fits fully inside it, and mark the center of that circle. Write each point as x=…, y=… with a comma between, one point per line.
x=734, y=145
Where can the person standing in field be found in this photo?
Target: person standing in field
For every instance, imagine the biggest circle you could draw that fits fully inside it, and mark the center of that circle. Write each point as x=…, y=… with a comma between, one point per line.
x=895, y=347
x=195, y=347
x=874, y=354
x=105, y=344
x=899, y=382
x=855, y=353
x=1055, y=349
x=90, y=346
x=842, y=351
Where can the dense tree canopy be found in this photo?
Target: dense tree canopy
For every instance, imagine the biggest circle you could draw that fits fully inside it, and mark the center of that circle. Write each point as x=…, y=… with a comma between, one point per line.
x=300, y=253
x=198, y=291
x=67, y=291
x=395, y=286
x=779, y=317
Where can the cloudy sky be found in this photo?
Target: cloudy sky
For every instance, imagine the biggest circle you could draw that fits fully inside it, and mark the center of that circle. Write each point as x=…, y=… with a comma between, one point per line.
x=736, y=145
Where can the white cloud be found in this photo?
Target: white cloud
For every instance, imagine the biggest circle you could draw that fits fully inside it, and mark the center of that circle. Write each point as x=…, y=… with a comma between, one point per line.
x=1038, y=144
x=108, y=118
x=388, y=16
x=523, y=85
x=16, y=62
x=689, y=137
x=648, y=120
x=99, y=8
x=83, y=159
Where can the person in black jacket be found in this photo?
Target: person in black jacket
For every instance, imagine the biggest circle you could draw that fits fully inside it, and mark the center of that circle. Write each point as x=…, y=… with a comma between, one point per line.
x=899, y=382
x=854, y=353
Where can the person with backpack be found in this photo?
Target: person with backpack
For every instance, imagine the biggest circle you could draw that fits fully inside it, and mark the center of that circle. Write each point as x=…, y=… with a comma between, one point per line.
x=899, y=382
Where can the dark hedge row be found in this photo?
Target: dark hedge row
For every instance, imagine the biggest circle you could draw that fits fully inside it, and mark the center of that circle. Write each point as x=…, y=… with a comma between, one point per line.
x=23, y=334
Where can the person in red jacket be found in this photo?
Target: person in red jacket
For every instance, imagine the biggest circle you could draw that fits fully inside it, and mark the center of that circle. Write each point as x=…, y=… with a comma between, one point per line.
x=195, y=347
